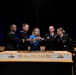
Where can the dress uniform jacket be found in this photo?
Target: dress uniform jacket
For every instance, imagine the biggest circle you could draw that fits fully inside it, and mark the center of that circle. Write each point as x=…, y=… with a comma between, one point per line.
x=49, y=41
x=23, y=35
x=63, y=43
x=12, y=41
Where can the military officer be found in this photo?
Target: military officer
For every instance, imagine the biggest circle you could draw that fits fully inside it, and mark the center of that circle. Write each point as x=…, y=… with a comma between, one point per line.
x=11, y=40
x=23, y=35
x=49, y=39
x=63, y=41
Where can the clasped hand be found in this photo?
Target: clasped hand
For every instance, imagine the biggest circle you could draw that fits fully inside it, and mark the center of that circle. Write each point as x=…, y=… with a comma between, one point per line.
x=35, y=39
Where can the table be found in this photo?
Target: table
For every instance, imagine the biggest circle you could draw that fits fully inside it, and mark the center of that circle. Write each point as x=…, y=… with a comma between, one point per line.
x=23, y=56
x=52, y=62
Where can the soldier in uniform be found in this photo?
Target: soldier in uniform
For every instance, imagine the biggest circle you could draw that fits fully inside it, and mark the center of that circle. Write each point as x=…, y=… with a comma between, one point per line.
x=23, y=35
x=63, y=41
x=49, y=39
x=11, y=40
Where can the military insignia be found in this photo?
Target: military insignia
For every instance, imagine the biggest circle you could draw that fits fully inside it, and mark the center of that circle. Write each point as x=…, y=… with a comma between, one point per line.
x=70, y=39
x=61, y=38
x=58, y=39
x=55, y=36
x=64, y=41
x=64, y=45
x=48, y=37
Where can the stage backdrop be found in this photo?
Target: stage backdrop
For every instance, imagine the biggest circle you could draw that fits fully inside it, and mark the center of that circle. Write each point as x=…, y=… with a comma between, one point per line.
x=37, y=13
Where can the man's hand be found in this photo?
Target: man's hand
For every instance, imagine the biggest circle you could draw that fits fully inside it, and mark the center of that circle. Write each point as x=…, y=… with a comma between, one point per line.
x=42, y=38
x=30, y=40
x=73, y=54
x=39, y=38
x=23, y=40
x=36, y=39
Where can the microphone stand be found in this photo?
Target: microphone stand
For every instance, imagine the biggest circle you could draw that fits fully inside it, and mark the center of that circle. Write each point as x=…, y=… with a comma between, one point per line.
x=37, y=16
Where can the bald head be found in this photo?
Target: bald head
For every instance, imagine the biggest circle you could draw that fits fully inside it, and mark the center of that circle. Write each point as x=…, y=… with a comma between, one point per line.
x=51, y=29
x=13, y=27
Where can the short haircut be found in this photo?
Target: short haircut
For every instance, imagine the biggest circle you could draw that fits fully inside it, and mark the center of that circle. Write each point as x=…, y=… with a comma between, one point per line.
x=51, y=26
x=12, y=25
x=24, y=24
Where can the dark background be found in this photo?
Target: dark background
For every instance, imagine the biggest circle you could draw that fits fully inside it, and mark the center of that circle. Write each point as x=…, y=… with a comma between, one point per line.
x=58, y=13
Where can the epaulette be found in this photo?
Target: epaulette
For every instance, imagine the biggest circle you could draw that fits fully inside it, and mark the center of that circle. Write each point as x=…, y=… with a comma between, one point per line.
x=21, y=31
x=46, y=34
x=11, y=32
x=66, y=34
